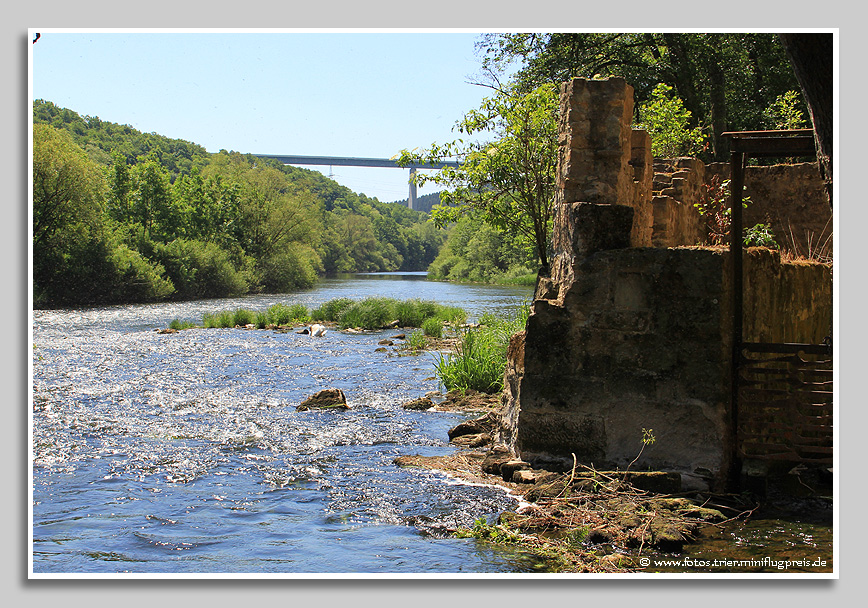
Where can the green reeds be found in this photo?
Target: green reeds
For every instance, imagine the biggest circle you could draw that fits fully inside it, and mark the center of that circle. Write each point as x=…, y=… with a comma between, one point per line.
x=480, y=360
x=379, y=312
x=370, y=313
x=178, y=324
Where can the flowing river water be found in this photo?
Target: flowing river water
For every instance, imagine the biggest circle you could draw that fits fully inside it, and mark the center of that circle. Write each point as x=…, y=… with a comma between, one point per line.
x=184, y=453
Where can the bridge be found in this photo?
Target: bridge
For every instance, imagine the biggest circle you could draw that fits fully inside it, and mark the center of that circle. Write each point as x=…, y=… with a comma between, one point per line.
x=347, y=161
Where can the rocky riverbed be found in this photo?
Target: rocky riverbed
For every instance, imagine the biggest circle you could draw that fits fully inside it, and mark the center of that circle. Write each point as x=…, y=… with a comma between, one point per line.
x=583, y=520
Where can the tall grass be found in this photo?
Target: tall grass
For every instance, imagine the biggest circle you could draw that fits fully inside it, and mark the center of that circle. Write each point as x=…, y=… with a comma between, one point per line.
x=380, y=312
x=369, y=313
x=278, y=314
x=480, y=360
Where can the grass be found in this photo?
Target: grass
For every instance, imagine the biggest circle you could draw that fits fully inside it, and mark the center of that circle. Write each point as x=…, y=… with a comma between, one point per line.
x=480, y=360
x=380, y=312
x=370, y=313
x=178, y=324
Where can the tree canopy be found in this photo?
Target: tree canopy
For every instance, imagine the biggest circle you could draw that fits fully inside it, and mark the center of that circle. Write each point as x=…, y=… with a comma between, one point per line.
x=727, y=81
x=507, y=179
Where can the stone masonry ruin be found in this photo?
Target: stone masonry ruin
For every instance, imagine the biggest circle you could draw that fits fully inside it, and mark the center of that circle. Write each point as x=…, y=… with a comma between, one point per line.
x=632, y=329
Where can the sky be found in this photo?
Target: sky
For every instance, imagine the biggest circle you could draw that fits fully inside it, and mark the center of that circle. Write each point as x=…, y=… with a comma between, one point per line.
x=361, y=94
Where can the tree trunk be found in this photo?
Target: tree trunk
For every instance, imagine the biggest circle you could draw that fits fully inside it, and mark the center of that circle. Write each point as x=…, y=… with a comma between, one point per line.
x=811, y=58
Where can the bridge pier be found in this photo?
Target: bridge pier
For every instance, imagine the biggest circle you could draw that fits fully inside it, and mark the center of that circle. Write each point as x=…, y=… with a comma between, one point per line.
x=411, y=199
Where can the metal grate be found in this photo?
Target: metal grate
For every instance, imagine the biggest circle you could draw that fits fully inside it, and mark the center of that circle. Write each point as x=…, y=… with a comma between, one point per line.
x=785, y=402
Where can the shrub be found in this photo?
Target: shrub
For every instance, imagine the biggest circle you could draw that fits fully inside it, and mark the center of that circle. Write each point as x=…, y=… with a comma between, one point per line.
x=199, y=270
x=668, y=123
x=293, y=268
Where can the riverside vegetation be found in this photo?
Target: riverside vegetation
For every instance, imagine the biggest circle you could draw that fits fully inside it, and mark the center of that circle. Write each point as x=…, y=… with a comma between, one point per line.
x=475, y=357
x=122, y=216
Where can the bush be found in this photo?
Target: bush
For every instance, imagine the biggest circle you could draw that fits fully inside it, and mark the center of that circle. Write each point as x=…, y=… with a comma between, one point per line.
x=291, y=269
x=199, y=270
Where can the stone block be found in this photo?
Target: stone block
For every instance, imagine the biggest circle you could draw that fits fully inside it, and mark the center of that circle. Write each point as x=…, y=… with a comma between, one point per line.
x=592, y=228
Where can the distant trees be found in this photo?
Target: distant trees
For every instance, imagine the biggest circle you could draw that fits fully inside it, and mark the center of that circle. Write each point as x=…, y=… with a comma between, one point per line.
x=110, y=226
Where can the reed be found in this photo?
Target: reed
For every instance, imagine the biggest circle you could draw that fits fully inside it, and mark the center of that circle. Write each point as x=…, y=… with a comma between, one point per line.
x=433, y=327
x=178, y=324
x=480, y=359
x=331, y=310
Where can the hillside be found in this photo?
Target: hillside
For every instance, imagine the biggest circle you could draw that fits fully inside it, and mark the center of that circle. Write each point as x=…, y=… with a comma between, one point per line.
x=148, y=217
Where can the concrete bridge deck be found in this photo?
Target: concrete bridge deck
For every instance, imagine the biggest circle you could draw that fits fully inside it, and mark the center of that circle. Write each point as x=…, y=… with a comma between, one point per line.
x=349, y=161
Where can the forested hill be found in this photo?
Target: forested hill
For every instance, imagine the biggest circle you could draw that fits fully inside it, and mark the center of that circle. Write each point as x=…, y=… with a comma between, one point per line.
x=125, y=216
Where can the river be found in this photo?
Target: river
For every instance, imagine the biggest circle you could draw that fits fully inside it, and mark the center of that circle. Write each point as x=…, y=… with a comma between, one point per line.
x=184, y=453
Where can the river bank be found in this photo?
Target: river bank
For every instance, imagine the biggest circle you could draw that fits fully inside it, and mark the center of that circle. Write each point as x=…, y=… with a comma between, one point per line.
x=590, y=521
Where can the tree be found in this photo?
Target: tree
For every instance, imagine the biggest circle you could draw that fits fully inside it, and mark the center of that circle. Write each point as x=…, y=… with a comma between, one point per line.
x=667, y=121
x=727, y=80
x=811, y=58
x=509, y=181
x=68, y=188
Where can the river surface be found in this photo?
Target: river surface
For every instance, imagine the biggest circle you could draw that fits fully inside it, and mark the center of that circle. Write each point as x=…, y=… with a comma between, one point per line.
x=184, y=453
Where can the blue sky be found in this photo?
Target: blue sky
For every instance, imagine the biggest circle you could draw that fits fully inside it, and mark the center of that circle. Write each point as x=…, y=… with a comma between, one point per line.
x=366, y=94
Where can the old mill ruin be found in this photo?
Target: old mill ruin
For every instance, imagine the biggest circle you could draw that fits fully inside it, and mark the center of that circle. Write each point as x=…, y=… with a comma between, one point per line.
x=633, y=328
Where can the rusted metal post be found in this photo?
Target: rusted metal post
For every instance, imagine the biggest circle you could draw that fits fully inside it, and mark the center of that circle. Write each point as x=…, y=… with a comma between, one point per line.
x=736, y=248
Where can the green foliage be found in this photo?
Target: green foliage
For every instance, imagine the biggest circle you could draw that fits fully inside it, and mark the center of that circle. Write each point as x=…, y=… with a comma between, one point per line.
x=786, y=113
x=178, y=324
x=199, y=270
x=379, y=312
x=433, y=327
x=493, y=533
x=288, y=314
x=480, y=361
x=509, y=181
x=370, y=313
x=760, y=235
x=68, y=188
x=293, y=268
x=168, y=219
x=668, y=122
x=714, y=206
x=479, y=253
x=332, y=310
x=727, y=80
x=416, y=340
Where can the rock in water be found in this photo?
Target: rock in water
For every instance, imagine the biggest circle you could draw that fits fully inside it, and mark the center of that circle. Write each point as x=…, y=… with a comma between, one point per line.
x=423, y=403
x=328, y=399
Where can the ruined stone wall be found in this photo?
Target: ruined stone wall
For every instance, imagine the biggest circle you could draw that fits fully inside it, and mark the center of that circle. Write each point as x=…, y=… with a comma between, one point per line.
x=790, y=198
x=785, y=301
x=677, y=187
x=624, y=338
